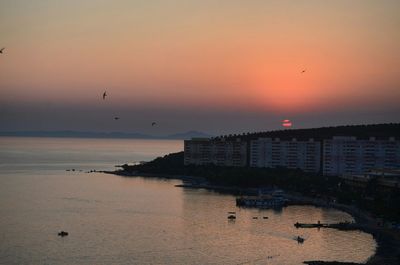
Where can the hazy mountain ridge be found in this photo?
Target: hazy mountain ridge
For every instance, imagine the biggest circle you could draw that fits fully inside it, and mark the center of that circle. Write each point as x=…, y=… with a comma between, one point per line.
x=119, y=135
x=188, y=135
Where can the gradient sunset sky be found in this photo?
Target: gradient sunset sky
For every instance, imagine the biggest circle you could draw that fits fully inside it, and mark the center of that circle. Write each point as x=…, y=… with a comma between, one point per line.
x=214, y=66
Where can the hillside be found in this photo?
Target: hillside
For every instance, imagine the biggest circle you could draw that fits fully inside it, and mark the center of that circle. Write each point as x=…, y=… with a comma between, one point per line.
x=380, y=131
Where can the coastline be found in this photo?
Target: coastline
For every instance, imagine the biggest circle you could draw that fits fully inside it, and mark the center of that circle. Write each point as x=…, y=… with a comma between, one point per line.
x=388, y=241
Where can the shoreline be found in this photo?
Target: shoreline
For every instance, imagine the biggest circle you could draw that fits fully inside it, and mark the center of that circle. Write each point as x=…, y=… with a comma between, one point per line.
x=388, y=241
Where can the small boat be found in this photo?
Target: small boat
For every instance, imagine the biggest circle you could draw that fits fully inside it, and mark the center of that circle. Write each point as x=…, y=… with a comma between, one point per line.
x=63, y=233
x=300, y=239
x=265, y=217
x=255, y=217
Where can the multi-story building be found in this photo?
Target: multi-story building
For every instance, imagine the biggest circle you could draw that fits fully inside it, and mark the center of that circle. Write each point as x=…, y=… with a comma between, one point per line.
x=349, y=155
x=197, y=151
x=268, y=152
x=386, y=179
x=229, y=153
x=218, y=152
x=333, y=157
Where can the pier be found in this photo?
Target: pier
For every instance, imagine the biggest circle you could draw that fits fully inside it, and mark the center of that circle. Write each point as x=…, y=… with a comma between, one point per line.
x=340, y=226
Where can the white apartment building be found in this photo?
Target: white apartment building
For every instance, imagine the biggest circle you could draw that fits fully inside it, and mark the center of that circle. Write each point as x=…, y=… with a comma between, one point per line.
x=333, y=157
x=271, y=153
x=219, y=152
x=349, y=155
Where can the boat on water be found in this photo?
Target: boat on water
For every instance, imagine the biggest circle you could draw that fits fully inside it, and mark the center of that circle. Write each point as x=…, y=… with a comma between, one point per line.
x=63, y=233
x=232, y=215
x=265, y=199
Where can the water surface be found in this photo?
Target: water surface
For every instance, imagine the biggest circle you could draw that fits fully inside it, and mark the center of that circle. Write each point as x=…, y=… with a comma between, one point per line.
x=117, y=220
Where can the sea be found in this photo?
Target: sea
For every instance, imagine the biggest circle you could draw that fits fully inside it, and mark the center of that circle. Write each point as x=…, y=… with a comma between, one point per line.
x=45, y=188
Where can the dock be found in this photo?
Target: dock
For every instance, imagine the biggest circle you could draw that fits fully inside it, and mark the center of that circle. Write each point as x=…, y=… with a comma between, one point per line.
x=340, y=226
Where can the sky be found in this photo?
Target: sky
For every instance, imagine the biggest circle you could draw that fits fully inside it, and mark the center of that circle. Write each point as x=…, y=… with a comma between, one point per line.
x=214, y=66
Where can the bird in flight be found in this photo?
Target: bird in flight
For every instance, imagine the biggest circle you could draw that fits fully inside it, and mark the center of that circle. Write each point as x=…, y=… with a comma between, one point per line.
x=104, y=95
x=116, y=118
x=2, y=49
x=153, y=123
x=303, y=71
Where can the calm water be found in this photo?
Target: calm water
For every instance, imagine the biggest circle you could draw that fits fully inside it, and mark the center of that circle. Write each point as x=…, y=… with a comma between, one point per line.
x=116, y=220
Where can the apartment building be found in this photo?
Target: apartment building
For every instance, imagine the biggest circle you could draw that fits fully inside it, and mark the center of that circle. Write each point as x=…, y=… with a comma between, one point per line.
x=349, y=155
x=204, y=151
x=271, y=153
x=386, y=179
x=333, y=157
x=197, y=151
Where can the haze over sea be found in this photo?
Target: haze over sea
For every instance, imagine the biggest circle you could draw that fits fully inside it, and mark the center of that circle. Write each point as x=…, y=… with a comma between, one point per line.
x=117, y=220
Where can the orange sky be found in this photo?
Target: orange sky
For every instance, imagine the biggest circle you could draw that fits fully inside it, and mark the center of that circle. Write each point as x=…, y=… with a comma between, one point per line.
x=222, y=55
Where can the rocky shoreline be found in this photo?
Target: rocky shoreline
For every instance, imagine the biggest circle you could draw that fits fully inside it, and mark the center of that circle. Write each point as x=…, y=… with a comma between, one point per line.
x=388, y=241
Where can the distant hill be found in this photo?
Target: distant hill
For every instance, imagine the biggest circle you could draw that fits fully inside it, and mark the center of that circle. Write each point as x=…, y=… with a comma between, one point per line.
x=120, y=135
x=360, y=131
x=189, y=135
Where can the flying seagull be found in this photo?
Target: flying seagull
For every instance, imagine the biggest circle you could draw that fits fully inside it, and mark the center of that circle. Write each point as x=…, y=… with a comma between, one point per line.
x=116, y=118
x=2, y=49
x=303, y=71
x=104, y=95
x=153, y=123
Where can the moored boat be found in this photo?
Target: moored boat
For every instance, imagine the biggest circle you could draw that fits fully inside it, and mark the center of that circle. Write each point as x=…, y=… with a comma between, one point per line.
x=270, y=199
